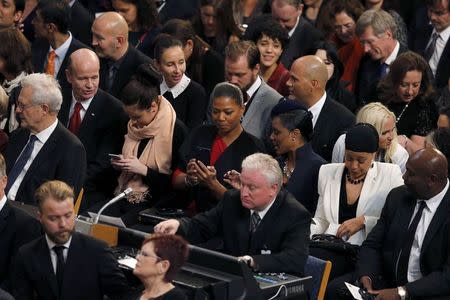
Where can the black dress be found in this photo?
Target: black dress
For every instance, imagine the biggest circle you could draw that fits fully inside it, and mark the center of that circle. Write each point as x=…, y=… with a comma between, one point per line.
x=174, y=294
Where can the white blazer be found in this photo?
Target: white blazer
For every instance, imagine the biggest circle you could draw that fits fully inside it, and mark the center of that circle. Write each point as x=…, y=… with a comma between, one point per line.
x=399, y=158
x=380, y=180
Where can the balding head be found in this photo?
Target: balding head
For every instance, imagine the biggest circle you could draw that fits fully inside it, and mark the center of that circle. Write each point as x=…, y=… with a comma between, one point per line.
x=426, y=173
x=308, y=78
x=83, y=74
x=110, y=36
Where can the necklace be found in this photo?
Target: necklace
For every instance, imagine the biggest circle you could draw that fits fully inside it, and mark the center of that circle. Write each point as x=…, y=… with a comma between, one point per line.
x=352, y=181
x=401, y=114
x=286, y=171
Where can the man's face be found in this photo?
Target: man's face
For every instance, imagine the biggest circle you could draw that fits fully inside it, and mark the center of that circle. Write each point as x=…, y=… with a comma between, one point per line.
x=378, y=47
x=30, y=114
x=84, y=78
x=285, y=14
x=439, y=15
x=57, y=219
x=8, y=14
x=415, y=179
x=40, y=28
x=103, y=40
x=299, y=86
x=239, y=73
x=256, y=190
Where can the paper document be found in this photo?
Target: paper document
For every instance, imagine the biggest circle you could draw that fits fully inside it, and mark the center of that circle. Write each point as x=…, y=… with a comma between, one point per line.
x=108, y=220
x=128, y=261
x=354, y=290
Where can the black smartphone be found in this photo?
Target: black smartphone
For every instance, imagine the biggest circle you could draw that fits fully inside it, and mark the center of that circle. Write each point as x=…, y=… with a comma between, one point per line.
x=203, y=154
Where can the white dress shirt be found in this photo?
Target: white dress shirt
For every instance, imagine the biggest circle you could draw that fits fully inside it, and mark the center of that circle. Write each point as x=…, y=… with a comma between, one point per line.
x=390, y=59
x=42, y=137
x=60, y=52
x=414, y=272
x=263, y=212
x=317, y=108
x=53, y=255
x=84, y=107
x=3, y=202
x=291, y=32
x=177, y=89
x=441, y=42
x=253, y=88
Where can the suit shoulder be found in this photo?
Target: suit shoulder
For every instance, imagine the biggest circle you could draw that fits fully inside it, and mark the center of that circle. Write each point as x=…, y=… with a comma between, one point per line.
x=293, y=207
x=140, y=57
x=340, y=109
x=88, y=241
x=66, y=137
x=77, y=44
x=30, y=248
x=109, y=100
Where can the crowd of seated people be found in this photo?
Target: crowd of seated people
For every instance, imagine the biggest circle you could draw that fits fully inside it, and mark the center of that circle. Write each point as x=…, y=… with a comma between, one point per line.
x=272, y=125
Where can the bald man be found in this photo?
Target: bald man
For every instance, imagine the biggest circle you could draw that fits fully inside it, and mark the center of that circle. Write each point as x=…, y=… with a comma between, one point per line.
x=119, y=60
x=307, y=81
x=98, y=120
x=407, y=254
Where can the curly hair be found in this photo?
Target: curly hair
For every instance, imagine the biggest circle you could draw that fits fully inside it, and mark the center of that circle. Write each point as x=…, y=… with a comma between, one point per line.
x=271, y=29
x=405, y=62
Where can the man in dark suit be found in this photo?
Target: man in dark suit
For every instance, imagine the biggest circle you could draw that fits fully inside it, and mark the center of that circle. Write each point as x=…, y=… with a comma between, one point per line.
x=266, y=227
x=54, y=43
x=80, y=22
x=433, y=42
x=42, y=149
x=16, y=228
x=64, y=264
x=406, y=255
x=376, y=31
x=302, y=35
x=119, y=60
x=330, y=119
x=97, y=119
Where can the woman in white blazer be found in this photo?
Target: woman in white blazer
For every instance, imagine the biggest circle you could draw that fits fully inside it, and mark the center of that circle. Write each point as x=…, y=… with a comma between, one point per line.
x=352, y=194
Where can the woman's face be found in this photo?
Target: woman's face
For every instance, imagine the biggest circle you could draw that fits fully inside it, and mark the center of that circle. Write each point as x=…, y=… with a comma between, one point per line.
x=322, y=54
x=208, y=17
x=270, y=50
x=358, y=163
x=172, y=65
x=344, y=27
x=141, y=117
x=409, y=87
x=387, y=133
x=147, y=261
x=128, y=11
x=226, y=114
x=281, y=137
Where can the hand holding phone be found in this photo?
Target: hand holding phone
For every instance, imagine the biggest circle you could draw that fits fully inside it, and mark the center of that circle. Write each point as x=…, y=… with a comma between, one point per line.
x=115, y=156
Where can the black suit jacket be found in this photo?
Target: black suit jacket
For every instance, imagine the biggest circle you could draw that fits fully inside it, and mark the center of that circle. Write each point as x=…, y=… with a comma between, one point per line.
x=178, y=9
x=90, y=271
x=16, y=229
x=101, y=132
x=334, y=119
x=301, y=41
x=379, y=252
x=39, y=56
x=81, y=23
x=284, y=231
x=62, y=157
x=368, y=78
x=132, y=60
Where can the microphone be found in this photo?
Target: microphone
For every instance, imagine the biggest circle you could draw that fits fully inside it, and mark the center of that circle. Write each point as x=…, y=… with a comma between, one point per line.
x=112, y=201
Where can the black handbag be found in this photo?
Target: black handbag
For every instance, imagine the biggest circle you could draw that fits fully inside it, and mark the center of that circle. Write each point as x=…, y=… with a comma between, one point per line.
x=333, y=243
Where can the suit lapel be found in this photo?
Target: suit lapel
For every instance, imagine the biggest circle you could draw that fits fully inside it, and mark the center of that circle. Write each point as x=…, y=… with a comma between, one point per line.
x=255, y=105
x=444, y=56
x=44, y=262
x=74, y=256
x=89, y=118
x=243, y=226
x=440, y=216
x=4, y=215
x=404, y=218
x=366, y=190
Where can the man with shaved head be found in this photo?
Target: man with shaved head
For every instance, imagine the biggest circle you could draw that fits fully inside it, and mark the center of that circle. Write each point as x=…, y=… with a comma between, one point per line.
x=97, y=119
x=307, y=81
x=119, y=60
x=407, y=254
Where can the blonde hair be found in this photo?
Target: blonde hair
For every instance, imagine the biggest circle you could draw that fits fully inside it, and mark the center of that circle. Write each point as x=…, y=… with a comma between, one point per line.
x=55, y=189
x=4, y=100
x=376, y=114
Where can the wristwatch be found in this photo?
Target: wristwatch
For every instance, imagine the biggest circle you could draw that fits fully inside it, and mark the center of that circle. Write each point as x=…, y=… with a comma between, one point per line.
x=401, y=292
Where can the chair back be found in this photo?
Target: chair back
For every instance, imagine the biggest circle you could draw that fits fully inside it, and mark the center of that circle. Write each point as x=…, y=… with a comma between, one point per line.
x=320, y=272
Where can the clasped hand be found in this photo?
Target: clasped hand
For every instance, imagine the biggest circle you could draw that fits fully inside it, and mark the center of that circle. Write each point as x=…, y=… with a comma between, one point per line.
x=350, y=227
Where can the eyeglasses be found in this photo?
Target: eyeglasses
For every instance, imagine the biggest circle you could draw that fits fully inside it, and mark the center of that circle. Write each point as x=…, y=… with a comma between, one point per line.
x=25, y=106
x=145, y=254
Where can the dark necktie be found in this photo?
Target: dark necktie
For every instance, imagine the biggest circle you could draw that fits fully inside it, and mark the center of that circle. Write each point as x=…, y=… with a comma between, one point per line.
x=402, y=267
x=20, y=162
x=75, y=119
x=383, y=69
x=111, y=75
x=59, y=264
x=254, y=221
x=428, y=53
x=169, y=96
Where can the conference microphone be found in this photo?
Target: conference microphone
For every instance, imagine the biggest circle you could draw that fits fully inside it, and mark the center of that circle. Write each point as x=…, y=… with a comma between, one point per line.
x=112, y=201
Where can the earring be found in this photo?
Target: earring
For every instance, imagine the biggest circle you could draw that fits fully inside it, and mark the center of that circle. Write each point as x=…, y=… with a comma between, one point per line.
x=293, y=139
x=241, y=119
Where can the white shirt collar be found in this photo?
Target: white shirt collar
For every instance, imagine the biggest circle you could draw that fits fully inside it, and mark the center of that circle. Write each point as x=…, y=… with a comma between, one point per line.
x=45, y=134
x=177, y=89
x=85, y=104
x=3, y=202
x=444, y=34
x=393, y=54
x=317, y=108
x=61, y=51
x=263, y=212
x=291, y=32
x=433, y=203
x=71, y=3
x=254, y=87
x=51, y=244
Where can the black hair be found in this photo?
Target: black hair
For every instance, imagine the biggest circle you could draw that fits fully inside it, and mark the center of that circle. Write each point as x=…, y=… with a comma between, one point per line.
x=146, y=13
x=20, y=5
x=271, y=29
x=300, y=119
x=225, y=89
x=56, y=12
x=165, y=41
x=445, y=111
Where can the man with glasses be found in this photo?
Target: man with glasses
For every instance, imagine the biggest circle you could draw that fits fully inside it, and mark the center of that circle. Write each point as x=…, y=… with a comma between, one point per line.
x=376, y=31
x=42, y=149
x=64, y=264
x=302, y=35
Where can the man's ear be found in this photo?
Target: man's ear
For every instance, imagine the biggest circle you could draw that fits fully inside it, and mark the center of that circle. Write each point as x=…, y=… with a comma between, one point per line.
x=18, y=16
x=68, y=76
